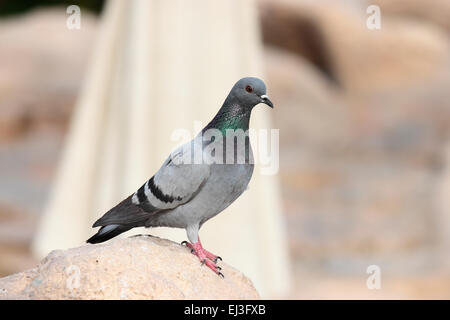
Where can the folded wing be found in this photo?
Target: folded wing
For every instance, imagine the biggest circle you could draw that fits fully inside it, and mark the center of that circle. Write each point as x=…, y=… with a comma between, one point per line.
x=175, y=183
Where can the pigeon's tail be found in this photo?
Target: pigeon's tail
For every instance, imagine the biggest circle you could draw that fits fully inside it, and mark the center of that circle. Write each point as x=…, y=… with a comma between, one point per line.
x=108, y=232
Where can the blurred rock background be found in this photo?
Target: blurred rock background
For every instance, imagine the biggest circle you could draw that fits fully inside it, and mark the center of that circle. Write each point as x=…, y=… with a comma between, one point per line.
x=364, y=118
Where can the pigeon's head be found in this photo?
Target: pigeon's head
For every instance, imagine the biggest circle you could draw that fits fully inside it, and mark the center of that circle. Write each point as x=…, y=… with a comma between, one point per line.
x=250, y=92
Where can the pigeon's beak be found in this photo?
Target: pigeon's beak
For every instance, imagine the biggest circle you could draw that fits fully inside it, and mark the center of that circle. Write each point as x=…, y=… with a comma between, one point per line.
x=265, y=99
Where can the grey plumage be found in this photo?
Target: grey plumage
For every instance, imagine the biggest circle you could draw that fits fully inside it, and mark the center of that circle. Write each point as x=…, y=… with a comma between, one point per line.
x=183, y=194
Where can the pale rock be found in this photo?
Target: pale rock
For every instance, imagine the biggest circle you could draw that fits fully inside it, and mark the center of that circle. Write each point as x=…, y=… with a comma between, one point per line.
x=142, y=267
x=436, y=12
x=336, y=38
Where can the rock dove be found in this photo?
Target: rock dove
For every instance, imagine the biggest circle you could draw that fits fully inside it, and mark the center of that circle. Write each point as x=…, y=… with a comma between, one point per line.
x=189, y=189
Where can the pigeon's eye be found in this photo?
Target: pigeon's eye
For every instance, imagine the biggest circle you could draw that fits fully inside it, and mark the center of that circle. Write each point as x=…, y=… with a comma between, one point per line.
x=249, y=89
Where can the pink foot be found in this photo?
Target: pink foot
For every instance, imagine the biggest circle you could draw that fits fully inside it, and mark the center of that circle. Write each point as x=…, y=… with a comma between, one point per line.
x=205, y=256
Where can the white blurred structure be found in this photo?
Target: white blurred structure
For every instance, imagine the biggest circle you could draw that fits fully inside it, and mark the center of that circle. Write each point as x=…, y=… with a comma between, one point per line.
x=159, y=66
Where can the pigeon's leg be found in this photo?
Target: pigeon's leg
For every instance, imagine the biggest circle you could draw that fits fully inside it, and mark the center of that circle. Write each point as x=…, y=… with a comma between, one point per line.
x=204, y=256
x=209, y=255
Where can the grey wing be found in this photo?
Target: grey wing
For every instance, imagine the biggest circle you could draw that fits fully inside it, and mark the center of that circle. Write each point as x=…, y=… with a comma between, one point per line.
x=175, y=183
x=125, y=213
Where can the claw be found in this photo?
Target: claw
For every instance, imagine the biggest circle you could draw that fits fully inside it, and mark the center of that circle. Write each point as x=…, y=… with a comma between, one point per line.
x=220, y=274
x=205, y=257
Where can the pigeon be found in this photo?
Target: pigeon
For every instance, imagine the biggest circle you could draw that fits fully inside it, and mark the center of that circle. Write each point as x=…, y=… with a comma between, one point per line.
x=198, y=180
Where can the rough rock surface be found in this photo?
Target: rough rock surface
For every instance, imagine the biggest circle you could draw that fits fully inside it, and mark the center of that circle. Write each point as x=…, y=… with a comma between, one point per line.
x=133, y=268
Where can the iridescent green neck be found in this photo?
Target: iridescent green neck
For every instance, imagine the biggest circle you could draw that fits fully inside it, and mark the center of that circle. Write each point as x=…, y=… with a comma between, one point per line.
x=231, y=118
x=234, y=123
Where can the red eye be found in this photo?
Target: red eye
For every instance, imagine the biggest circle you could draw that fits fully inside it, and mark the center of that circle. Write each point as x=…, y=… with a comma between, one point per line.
x=249, y=89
